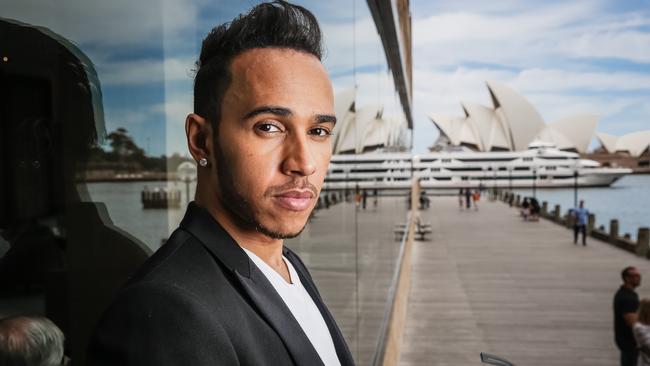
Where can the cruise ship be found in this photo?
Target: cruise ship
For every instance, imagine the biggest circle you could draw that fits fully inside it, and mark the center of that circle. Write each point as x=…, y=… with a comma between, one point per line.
x=542, y=166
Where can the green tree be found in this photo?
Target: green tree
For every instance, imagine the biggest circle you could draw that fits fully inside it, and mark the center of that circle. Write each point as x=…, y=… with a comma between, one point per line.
x=123, y=147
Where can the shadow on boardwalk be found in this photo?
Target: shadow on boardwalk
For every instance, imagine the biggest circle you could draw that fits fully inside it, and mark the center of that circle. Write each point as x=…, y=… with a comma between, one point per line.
x=490, y=282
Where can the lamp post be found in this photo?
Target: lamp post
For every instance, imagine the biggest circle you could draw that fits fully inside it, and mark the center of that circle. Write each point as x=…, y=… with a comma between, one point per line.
x=494, y=186
x=534, y=182
x=347, y=180
x=510, y=178
x=186, y=172
x=484, y=169
x=575, y=185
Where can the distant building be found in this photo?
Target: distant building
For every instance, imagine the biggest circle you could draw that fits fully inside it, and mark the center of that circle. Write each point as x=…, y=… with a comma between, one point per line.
x=511, y=124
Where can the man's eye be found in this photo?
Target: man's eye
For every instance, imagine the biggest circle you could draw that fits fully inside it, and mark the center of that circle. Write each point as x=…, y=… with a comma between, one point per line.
x=320, y=131
x=268, y=128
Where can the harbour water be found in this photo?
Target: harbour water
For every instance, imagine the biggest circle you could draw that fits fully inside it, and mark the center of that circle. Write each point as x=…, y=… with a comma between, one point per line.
x=122, y=199
x=628, y=200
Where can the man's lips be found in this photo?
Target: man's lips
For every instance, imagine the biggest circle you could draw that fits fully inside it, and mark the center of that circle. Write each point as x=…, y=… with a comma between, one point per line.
x=295, y=200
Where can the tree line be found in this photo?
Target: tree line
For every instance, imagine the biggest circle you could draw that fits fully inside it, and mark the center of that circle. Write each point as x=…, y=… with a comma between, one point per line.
x=121, y=153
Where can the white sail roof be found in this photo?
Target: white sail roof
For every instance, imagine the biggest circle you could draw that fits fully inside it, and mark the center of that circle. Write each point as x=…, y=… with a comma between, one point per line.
x=574, y=132
x=523, y=120
x=458, y=130
x=607, y=141
x=635, y=143
x=344, y=111
x=490, y=131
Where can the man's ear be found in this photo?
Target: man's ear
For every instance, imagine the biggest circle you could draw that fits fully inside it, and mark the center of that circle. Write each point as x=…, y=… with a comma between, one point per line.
x=199, y=137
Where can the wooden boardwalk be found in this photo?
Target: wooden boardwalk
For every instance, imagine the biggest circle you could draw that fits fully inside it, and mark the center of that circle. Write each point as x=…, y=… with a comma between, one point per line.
x=488, y=281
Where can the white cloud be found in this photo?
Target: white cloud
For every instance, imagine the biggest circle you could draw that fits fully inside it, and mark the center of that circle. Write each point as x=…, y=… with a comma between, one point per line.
x=145, y=71
x=105, y=23
x=557, y=80
x=528, y=37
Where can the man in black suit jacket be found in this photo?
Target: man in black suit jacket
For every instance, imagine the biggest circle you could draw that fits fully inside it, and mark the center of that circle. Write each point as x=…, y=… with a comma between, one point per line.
x=214, y=294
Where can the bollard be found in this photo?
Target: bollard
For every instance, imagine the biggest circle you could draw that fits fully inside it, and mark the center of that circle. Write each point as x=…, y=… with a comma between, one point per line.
x=544, y=209
x=556, y=213
x=570, y=220
x=613, y=230
x=643, y=242
x=591, y=222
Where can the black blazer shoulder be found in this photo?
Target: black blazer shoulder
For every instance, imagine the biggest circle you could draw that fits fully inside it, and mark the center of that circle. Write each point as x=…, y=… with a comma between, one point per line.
x=199, y=300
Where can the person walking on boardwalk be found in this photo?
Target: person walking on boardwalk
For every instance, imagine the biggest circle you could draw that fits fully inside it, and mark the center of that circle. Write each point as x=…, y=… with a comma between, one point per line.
x=364, y=198
x=626, y=303
x=525, y=208
x=580, y=218
x=476, y=196
x=468, y=198
x=461, y=193
x=642, y=332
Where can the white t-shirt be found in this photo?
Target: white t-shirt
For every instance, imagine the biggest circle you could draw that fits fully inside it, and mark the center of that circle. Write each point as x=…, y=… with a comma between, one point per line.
x=302, y=307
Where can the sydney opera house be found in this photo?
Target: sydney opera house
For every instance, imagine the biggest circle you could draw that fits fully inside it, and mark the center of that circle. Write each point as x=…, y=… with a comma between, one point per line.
x=365, y=128
x=511, y=124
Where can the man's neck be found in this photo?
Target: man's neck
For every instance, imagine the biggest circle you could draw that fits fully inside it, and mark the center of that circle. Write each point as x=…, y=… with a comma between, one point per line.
x=267, y=249
x=628, y=286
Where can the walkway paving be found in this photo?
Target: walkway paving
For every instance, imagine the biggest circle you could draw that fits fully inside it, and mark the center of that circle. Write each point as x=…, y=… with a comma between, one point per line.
x=490, y=282
x=351, y=254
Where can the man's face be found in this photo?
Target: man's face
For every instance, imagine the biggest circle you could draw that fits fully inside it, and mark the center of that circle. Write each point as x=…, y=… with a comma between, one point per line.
x=273, y=140
x=633, y=278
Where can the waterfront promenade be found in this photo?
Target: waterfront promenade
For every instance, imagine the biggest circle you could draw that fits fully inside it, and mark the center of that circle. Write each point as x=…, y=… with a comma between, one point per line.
x=488, y=281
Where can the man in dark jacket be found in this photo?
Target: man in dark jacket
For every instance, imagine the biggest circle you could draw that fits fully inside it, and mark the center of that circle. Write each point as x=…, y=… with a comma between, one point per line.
x=224, y=290
x=626, y=304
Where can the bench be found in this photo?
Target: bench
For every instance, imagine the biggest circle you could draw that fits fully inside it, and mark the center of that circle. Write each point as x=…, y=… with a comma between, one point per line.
x=421, y=230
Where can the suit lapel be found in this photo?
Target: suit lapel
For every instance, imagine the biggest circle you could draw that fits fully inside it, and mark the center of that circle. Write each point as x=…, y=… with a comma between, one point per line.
x=264, y=297
x=277, y=314
x=342, y=350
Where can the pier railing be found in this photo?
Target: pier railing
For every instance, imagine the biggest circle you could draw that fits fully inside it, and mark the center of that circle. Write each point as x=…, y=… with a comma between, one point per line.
x=640, y=247
x=387, y=352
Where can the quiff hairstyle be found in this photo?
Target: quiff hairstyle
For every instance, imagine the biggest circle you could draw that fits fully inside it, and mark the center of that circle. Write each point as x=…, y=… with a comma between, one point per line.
x=269, y=25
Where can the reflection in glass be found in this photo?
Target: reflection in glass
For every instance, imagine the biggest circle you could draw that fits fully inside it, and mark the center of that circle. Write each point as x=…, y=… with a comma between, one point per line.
x=94, y=100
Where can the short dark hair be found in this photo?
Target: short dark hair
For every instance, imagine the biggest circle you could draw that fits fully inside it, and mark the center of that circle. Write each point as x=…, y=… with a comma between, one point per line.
x=277, y=24
x=626, y=272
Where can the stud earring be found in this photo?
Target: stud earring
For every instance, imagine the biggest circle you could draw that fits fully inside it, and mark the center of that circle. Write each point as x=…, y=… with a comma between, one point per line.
x=203, y=162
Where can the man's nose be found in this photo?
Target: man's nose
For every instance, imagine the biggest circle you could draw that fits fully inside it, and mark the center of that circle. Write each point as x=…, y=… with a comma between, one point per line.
x=299, y=159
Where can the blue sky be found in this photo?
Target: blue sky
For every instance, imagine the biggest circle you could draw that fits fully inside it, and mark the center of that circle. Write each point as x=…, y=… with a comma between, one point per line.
x=565, y=57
